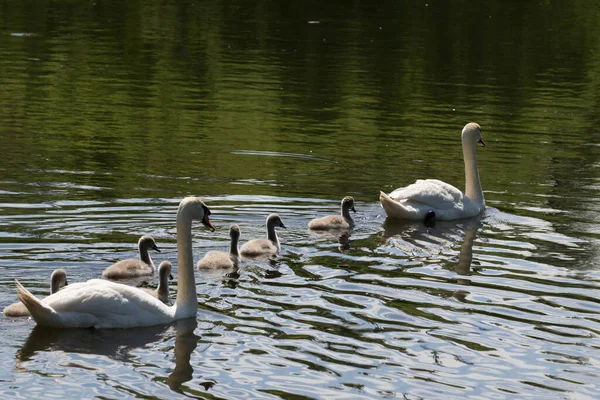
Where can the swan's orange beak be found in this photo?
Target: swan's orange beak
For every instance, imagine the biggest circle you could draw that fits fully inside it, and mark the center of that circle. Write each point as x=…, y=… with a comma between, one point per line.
x=481, y=142
x=206, y=222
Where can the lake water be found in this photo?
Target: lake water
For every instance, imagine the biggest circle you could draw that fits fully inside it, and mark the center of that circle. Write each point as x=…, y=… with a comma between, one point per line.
x=111, y=112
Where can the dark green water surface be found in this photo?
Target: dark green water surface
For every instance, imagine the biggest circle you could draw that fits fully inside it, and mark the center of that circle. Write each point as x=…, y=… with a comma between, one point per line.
x=111, y=112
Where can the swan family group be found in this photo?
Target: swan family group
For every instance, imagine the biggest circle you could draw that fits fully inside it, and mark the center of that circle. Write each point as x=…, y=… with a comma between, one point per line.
x=105, y=303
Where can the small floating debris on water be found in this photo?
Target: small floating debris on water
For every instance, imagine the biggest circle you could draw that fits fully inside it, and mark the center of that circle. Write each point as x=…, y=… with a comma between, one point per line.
x=21, y=34
x=314, y=22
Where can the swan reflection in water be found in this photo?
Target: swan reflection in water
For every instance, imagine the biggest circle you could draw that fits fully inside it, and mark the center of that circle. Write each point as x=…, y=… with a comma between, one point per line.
x=414, y=238
x=116, y=344
x=465, y=258
x=342, y=236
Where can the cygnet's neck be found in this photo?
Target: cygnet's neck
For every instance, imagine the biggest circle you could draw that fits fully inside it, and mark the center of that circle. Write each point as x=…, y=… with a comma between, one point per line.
x=271, y=234
x=346, y=214
x=234, y=250
x=187, y=303
x=144, y=255
x=472, y=184
x=163, y=285
x=55, y=282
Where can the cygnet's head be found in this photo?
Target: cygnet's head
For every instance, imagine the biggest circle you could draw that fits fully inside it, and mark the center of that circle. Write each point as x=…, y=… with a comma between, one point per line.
x=275, y=220
x=164, y=270
x=147, y=242
x=234, y=232
x=472, y=132
x=348, y=203
x=59, y=276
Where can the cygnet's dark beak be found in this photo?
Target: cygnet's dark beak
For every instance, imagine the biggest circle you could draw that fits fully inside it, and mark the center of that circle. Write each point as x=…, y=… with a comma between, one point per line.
x=66, y=282
x=206, y=222
x=281, y=225
x=481, y=142
x=353, y=210
x=155, y=248
x=171, y=276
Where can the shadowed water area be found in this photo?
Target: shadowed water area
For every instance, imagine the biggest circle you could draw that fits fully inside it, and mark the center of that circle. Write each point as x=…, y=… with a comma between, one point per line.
x=111, y=112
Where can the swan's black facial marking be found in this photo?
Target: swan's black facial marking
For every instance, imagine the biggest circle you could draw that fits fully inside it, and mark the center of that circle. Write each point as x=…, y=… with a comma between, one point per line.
x=205, y=220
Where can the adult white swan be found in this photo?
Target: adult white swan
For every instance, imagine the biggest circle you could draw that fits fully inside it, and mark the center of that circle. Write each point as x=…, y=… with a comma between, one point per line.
x=100, y=303
x=413, y=202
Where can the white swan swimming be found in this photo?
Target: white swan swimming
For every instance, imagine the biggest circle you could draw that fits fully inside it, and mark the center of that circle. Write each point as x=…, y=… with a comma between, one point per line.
x=100, y=303
x=164, y=274
x=58, y=279
x=335, y=222
x=413, y=202
x=132, y=267
x=220, y=259
x=265, y=247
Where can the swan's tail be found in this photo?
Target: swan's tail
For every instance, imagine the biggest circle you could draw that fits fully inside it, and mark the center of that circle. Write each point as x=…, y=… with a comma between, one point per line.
x=393, y=208
x=41, y=313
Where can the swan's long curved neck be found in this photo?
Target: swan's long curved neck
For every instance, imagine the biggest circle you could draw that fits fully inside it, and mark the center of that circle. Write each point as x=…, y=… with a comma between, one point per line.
x=186, y=303
x=272, y=235
x=233, y=248
x=473, y=185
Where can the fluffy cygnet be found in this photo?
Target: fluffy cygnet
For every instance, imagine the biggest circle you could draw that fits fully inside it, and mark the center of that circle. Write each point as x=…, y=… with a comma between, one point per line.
x=164, y=275
x=58, y=279
x=132, y=267
x=221, y=259
x=330, y=222
x=268, y=246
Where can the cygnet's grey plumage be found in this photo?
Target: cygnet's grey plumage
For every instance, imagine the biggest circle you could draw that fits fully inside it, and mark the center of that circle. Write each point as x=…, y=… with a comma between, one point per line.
x=164, y=274
x=132, y=267
x=268, y=246
x=58, y=279
x=331, y=222
x=220, y=259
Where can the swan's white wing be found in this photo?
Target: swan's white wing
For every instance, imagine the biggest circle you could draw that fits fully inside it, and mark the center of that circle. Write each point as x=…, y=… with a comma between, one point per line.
x=108, y=304
x=432, y=193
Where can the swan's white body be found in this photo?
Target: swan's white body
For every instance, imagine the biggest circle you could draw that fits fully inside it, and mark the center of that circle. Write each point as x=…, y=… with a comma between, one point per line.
x=221, y=259
x=336, y=222
x=264, y=247
x=100, y=303
x=413, y=202
x=134, y=268
x=58, y=279
x=164, y=274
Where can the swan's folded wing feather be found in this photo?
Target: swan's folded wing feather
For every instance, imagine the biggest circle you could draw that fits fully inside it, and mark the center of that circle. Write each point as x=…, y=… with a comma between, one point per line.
x=430, y=192
x=101, y=297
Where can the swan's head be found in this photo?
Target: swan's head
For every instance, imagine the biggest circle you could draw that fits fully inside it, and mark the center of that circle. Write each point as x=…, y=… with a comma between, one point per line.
x=348, y=203
x=147, y=242
x=59, y=277
x=234, y=232
x=195, y=209
x=472, y=133
x=164, y=271
x=275, y=220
